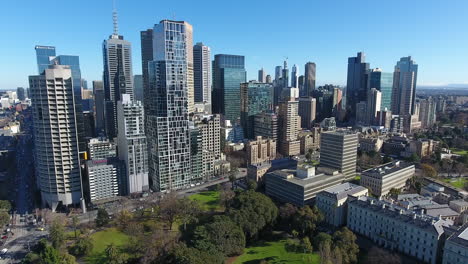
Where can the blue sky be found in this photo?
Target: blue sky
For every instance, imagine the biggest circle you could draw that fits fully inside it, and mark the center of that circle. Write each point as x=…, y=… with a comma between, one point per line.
x=434, y=32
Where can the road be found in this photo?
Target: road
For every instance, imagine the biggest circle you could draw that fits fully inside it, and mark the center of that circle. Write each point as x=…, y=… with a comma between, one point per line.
x=24, y=162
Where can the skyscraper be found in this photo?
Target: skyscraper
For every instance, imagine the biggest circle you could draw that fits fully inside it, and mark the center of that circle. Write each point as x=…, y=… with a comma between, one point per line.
x=209, y=144
x=138, y=87
x=262, y=76
x=202, y=73
x=99, y=102
x=309, y=78
x=374, y=99
x=268, y=79
x=118, y=75
x=289, y=126
x=356, y=87
x=132, y=146
x=266, y=125
x=307, y=108
x=338, y=149
x=404, y=87
x=20, y=93
x=229, y=73
x=146, y=38
x=255, y=98
x=167, y=103
x=55, y=137
x=382, y=81
x=46, y=56
x=427, y=112
x=285, y=75
x=278, y=72
x=294, y=77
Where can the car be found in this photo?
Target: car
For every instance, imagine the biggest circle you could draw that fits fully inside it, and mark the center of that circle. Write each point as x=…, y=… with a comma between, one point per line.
x=4, y=237
x=40, y=229
x=5, y=250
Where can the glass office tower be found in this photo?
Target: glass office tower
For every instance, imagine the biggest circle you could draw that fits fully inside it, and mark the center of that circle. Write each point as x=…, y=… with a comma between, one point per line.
x=43, y=54
x=255, y=98
x=382, y=81
x=229, y=72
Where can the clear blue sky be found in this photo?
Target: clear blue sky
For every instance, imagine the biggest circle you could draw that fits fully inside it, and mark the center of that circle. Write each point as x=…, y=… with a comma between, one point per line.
x=434, y=32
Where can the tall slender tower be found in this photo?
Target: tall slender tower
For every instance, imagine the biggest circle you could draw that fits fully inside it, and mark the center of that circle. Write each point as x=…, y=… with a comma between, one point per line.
x=262, y=76
x=132, y=145
x=294, y=77
x=374, y=100
x=167, y=103
x=118, y=74
x=356, y=88
x=404, y=87
x=202, y=73
x=309, y=78
x=146, y=38
x=99, y=101
x=55, y=137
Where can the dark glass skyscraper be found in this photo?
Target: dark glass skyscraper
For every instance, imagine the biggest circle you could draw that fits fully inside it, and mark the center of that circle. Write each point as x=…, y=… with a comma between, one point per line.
x=382, y=81
x=146, y=56
x=255, y=98
x=229, y=72
x=404, y=87
x=356, y=87
x=43, y=54
x=309, y=79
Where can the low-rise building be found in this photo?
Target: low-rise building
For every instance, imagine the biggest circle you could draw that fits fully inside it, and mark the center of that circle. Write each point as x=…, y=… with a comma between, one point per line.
x=105, y=179
x=396, y=228
x=456, y=247
x=260, y=150
x=300, y=186
x=332, y=202
x=370, y=144
x=257, y=171
x=459, y=206
x=381, y=179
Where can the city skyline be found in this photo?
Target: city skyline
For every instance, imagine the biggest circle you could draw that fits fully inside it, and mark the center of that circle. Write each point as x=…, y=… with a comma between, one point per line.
x=423, y=40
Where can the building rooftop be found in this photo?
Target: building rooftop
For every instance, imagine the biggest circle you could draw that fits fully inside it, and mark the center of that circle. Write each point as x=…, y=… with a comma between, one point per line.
x=460, y=203
x=318, y=179
x=407, y=216
x=387, y=168
x=460, y=237
x=343, y=190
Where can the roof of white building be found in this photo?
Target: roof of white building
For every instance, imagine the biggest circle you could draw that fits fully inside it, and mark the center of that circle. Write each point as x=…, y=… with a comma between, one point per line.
x=343, y=190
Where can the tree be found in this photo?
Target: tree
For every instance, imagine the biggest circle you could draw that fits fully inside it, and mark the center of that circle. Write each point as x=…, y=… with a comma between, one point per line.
x=113, y=256
x=252, y=211
x=157, y=246
x=168, y=209
x=413, y=158
x=306, y=219
x=233, y=177
x=4, y=218
x=325, y=252
x=102, y=217
x=286, y=212
x=251, y=185
x=82, y=247
x=447, y=166
x=75, y=225
x=381, y=256
x=345, y=240
x=460, y=168
x=189, y=255
x=5, y=205
x=394, y=192
x=49, y=256
x=222, y=234
x=306, y=245
x=57, y=234
x=321, y=238
x=428, y=171
x=188, y=211
x=123, y=219
x=386, y=159
x=226, y=196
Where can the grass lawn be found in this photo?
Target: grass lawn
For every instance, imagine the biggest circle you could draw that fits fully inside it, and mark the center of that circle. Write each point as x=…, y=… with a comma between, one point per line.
x=457, y=182
x=276, y=253
x=208, y=200
x=459, y=151
x=101, y=240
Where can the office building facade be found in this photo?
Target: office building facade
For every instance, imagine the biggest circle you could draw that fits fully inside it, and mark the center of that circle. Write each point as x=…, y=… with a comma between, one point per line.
x=255, y=98
x=338, y=149
x=356, y=87
x=404, y=87
x=307, y=108
x=229, y=72
x=202, y=73
x=382, y=81
x=309, y=79
x=289, y=126
x=266, y=125
x=101, y=148
x=380, y=180
x=138, y=87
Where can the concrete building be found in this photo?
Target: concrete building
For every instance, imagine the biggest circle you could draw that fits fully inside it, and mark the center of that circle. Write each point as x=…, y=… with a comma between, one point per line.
x=381, y=179
x=309, y=78
x=300, y=186
x=266, y=125
x=118, y=75
x=396, y=228
x=101, y=148
x=260, y=150
x=427, y=112
x=168, y=105
x=262, y=76
x=459, y=206
x=332, y=202
x=338, y=149
x=103, y=178
x=422, y=147
x=255, y=98
x=374, y=101
x=256, y=172
x=369, y=144
x=307, y=106
x=289, y=127
x=310, y=140
x=202, y=73
x=132, y=145
x=356, y=87
x=209, y=127
x=456, y=247
x=57, y=161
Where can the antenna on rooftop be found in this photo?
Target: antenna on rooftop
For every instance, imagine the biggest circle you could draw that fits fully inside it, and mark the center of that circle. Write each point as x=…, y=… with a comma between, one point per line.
x=114, y=19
